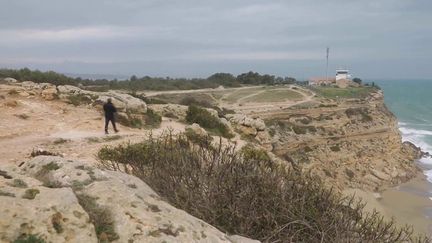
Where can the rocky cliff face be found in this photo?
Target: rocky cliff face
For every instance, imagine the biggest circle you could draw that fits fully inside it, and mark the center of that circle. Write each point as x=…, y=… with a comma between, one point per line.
x=62, y=200
x=350, y=143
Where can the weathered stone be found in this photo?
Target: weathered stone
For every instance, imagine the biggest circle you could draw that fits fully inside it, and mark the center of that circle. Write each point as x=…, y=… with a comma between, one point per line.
x=10, y=80
x=380, y=175
x=49, y=93
x=34, y=216
x=68, y=89
x=131, y=103
x=250, y=131
x=138, y=213
x=197, y=129
x=170, y=110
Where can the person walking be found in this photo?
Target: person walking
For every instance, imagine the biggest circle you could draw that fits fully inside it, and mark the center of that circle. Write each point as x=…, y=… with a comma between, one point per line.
x=110, y=111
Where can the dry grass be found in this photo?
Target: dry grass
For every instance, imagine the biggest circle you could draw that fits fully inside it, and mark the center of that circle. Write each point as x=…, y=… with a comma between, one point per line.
x=275, y=96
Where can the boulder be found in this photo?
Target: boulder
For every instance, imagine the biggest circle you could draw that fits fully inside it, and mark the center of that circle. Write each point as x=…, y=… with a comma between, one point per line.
x=380, y=175
x=131, y=103
x=247, y=121
x=197, y=129
x=170, y=110
x=136, y=212
x=10, y=80
x=30, y=85
x=49, y=93
x=68, y=89
x=28, y=207
x=250, y=131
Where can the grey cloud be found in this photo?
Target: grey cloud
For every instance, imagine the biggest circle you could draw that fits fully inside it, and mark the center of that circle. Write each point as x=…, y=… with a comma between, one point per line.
x=196, y=38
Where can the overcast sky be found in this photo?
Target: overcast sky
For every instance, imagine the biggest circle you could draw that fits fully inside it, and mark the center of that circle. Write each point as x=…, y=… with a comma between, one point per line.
x=195, y=38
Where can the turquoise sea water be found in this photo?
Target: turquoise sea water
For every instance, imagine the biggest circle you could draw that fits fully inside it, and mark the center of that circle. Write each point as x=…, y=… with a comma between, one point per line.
x=411, y=102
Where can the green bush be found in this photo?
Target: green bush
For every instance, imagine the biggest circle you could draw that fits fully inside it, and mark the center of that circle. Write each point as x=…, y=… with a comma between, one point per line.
x=79, y=99
x=206, y=120
x=362, y=112
x=152, y=119
x=245, y=193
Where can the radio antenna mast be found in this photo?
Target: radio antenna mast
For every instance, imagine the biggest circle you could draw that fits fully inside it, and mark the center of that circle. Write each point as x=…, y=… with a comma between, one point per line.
x=328, y=51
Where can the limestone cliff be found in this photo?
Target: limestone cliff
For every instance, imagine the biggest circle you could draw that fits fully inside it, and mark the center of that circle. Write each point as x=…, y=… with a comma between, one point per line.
x=350, y=143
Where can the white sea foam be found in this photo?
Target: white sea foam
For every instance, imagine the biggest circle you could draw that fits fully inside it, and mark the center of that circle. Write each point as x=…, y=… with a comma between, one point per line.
x=417, y=137
x=410, y=131
x=428, y=174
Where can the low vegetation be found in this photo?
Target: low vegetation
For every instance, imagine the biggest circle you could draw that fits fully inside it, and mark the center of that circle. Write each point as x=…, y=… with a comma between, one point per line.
x=362, y=112
x=152, y=119
x=135, y=83
x=31, y=238
x=244, y=192
x=149, y=120
x=79, y=99
x=343, y=93
x=208, y=121
x=30, y=194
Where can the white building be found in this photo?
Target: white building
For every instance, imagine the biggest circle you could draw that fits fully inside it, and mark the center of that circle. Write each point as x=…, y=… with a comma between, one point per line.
x=342, y=74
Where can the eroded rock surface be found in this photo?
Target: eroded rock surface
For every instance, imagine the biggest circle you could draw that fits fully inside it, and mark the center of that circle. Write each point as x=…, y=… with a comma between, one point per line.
x=58, y=213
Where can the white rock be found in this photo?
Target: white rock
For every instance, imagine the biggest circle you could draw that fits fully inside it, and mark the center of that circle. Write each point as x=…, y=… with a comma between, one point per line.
x=138, y=213
x=10, y=80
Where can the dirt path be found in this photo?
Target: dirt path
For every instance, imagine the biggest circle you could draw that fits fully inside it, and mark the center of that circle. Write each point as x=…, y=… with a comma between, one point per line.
x=75, y=132
x=155, y=93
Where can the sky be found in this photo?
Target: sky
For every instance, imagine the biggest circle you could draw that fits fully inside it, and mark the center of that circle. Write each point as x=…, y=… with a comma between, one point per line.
x=196, y=38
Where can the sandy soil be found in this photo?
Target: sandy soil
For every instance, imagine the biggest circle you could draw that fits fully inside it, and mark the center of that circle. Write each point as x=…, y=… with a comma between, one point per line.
x=74, y=132
x=408, y=203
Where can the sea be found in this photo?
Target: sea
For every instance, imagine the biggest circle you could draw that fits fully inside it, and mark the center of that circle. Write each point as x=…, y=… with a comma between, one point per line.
x=411, y=102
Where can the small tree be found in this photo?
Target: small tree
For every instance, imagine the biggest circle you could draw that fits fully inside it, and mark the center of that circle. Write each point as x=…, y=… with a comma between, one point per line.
x=357, y=80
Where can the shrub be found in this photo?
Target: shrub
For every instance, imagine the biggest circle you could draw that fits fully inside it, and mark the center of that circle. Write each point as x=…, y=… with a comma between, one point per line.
x=362, y=112
x=29, y=239
x=188, y=101
x=23, y=116
x=245, y=193
x=152, y=119
x=6, y=194
x=335, y=148
x=12, y=92
x=79, y=99
x=206, y=120
x=19, y=183
x=203, y=140
x=30, y=194
x=129, y=120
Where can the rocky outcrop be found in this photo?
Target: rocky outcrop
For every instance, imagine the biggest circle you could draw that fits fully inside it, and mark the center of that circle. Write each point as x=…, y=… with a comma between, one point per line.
x=170, y=110
x=254, y=128
x=10, y=80
x=124, y=102
x=355, y=143
x=47, y=91
x=67, y=201
x=197, y=129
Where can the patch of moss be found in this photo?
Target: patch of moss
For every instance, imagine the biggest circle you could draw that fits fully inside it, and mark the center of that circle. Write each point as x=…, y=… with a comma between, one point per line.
x=30, y=194
x=56, y=221
x=19, y=183
x=6, y=194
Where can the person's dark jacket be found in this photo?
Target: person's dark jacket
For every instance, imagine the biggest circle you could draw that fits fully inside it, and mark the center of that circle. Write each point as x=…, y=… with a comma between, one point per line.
x=109, y=109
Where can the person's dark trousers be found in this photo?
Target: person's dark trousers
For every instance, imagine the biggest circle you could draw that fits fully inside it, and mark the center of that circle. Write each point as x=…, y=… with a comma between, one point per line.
x=112, y=120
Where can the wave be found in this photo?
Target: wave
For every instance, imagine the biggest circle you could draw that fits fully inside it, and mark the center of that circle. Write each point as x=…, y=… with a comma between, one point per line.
x=417, y=137
x=411, y=131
